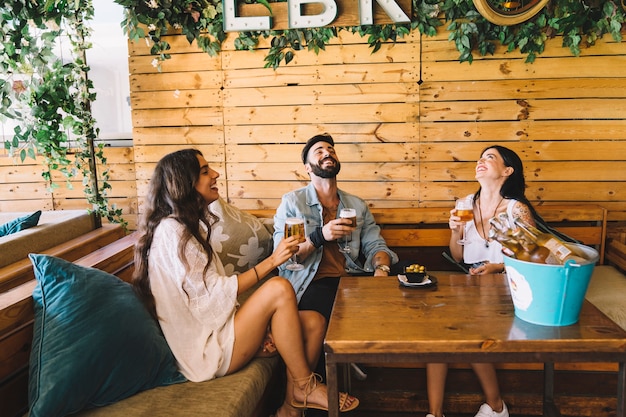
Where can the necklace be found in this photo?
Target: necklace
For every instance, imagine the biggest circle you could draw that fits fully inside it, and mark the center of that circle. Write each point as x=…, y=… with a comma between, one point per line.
x=482, y=223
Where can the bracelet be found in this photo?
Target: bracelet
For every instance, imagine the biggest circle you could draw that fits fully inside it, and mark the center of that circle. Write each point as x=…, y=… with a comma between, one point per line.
x=256, y=273
x=317, y=237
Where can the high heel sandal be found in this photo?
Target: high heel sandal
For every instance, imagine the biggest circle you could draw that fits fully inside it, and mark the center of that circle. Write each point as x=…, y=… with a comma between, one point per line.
x=311, y=383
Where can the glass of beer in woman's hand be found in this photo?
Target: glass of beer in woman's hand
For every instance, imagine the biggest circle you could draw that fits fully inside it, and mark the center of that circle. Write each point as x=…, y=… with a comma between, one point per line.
x=347, y=213
x=465, y=210
x=294, y=227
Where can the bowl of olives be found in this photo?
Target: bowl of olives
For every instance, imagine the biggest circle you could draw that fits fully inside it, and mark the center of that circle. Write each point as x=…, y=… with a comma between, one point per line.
x=415, y=273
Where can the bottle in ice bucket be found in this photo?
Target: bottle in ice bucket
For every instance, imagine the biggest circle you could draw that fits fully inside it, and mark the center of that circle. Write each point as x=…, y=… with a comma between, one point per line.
x=559, y=249
x=516, y=244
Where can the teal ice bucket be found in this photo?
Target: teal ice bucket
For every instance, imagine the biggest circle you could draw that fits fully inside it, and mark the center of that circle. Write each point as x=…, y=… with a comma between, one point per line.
x=550, y=295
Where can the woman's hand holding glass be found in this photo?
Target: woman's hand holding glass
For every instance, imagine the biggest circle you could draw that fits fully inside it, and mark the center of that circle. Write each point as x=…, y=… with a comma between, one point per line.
x=464, y=210
x=294, y=226
x=285, y=249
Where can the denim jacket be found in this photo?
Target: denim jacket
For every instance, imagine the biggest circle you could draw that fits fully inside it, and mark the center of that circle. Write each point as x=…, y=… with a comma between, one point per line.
x=366, y=240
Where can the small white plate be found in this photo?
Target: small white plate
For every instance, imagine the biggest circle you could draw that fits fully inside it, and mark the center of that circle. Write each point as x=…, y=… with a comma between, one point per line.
x=425, y=283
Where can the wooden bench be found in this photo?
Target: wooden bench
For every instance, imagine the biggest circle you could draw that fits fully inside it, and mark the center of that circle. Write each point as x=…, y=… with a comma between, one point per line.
x=416, y=231
x=421, y=234
x=215, y=397
x=21, y=271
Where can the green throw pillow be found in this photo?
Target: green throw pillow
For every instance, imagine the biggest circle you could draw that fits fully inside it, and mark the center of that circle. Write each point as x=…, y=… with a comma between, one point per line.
x=94, y=343
x=21, y=223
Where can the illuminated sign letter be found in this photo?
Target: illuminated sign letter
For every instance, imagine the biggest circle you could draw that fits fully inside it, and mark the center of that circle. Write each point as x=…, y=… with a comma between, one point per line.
x=366, y=10
x=298, y=20
x=232, y=23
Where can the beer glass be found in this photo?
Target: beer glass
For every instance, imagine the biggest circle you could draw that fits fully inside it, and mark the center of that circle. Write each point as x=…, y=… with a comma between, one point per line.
x=465, y=210
x=347, y=213
x=294, y=226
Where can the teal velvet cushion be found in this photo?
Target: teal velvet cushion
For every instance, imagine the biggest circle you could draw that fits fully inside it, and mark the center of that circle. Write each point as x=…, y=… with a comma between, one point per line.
x=21, y=223
x=94, y=343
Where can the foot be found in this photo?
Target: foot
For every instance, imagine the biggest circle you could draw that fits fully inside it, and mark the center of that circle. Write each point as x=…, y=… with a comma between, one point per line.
x=486, y=411
x=309, y=392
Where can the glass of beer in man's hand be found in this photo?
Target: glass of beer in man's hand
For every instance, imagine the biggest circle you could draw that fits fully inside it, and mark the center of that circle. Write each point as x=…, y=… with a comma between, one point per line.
x=465, y=210
x=347, y=213
x=294, y=226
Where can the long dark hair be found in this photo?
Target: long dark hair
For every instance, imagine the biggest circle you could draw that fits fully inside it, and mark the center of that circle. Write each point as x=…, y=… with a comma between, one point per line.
x=171, y=193
x=514, y=187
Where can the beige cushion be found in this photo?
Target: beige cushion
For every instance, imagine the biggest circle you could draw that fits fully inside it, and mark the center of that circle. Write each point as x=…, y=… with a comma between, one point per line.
x=239, y=238
x=607, y=291
x=54, y=228
x=233, y=395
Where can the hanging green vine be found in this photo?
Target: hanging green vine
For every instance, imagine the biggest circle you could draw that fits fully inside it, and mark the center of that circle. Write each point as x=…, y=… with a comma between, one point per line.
x=50, y=98
x=579, y=22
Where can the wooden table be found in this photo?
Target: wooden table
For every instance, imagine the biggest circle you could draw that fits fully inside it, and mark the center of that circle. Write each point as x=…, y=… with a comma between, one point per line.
x=463, y=319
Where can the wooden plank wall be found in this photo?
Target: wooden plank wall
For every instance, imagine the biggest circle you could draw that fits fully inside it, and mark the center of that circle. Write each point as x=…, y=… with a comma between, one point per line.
x=565, y=116
x=23, y=188
x=409, y=121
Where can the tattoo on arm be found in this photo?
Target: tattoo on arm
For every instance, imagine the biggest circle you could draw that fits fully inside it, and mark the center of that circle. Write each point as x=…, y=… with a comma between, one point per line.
x=522, y=212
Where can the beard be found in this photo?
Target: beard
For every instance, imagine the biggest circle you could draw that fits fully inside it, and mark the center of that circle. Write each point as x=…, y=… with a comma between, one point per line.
x=329, y=172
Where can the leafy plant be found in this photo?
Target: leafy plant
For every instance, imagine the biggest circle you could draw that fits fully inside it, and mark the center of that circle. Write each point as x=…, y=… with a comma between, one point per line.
x=51, y=98
x=580, y=22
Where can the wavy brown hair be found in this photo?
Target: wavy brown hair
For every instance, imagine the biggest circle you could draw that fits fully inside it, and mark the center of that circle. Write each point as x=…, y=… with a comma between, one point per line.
x=171, y=193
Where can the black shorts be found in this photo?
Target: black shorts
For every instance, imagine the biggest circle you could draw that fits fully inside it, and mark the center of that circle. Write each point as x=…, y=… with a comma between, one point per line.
x=320, y=296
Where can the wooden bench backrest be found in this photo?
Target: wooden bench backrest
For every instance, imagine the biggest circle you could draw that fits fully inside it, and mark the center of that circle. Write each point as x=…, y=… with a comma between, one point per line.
x=428, y=226
x=22, y=271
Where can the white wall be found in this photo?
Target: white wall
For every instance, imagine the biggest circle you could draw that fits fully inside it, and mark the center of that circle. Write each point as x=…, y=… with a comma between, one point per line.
x=108, y=60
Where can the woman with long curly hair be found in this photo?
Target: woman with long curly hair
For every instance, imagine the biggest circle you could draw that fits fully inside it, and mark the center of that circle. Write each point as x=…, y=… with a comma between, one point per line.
x=183, y=284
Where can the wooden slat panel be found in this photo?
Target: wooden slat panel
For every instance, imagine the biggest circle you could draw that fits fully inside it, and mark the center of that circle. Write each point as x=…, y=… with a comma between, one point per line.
x=526, y=88
x=277, y=171
x=177, y=117
x=368, y=152
x=339, y=54
x=523, y=130
x=24, y=191
x=187, y=135
x=591, y=66
x=145, y=170
x=587, y=108
x=212, y=152
x=555, y=192
x=189, y=62
x=352, y=113
x=175, y=81
x=20, y=173
x=329, y=74
x=335, y=94
x=529, y=151
x=176, y=99
x=534, y=171
x=440, y=48
x=366, y=190
x=344, y=132
x=419, y=237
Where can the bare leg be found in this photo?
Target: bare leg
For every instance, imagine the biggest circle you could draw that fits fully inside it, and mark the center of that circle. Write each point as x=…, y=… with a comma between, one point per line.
x=486, y=374
x=275, y=303
x=435, y=386
x=313, y=329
